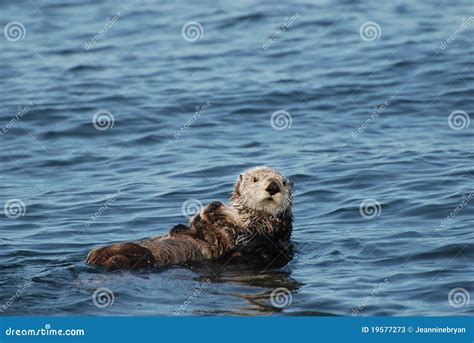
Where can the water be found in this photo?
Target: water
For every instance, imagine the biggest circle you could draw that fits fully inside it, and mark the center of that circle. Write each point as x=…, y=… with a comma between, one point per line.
x=162, y=151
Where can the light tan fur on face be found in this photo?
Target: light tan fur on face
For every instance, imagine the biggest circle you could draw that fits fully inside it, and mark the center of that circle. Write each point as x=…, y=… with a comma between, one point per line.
x=250, y=190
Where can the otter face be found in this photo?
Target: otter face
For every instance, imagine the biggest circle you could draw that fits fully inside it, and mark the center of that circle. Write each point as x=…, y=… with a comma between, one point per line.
x=263, y=189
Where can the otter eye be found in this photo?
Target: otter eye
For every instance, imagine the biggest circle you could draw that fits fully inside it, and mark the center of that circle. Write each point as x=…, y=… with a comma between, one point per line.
x=255, y=179
x=284, y=182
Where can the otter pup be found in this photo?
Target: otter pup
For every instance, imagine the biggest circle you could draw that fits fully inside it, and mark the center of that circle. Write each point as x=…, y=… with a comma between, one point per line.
x=256, y=223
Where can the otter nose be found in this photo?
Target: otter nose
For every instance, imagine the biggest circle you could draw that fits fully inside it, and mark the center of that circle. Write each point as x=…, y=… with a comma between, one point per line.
x=273, y=188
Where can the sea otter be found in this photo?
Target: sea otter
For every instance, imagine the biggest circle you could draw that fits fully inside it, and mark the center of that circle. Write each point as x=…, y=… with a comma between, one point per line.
x=257, y=223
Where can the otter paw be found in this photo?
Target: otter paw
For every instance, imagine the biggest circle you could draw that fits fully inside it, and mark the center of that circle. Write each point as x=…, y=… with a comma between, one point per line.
x=139, y=257
x=213, y=210
x=215, y=205
x=118, y=262
x=121, y=256
x=197, y=223
x=98, y=256
x=179, y=228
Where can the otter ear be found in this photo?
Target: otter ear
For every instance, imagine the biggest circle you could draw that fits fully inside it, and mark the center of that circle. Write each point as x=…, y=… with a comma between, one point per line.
x=237, y=185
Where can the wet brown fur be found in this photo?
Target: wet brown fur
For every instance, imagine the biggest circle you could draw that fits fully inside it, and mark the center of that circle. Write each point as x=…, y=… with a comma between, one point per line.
x=217, y=231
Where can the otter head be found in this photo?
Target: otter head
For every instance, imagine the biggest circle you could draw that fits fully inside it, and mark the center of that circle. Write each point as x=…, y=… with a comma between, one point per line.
x=263, y=189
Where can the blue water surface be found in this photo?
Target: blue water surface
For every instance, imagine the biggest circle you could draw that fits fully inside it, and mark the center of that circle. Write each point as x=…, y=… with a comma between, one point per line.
x=364, y=105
